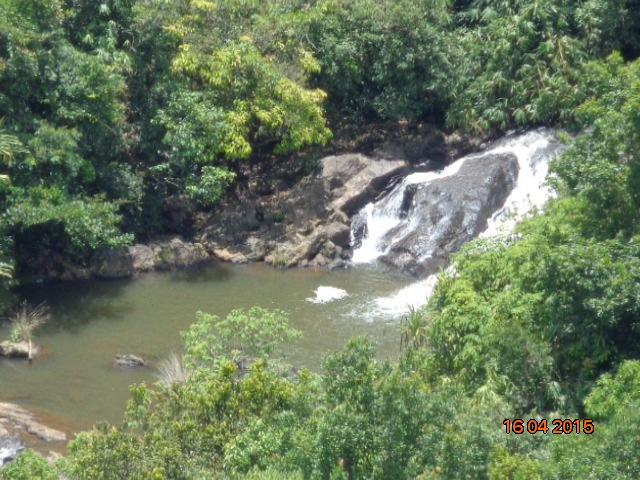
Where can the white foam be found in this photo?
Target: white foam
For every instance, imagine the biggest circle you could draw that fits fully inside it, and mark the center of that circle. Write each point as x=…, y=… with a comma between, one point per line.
x=325, y=294
x=530, y=192
x=412, y=296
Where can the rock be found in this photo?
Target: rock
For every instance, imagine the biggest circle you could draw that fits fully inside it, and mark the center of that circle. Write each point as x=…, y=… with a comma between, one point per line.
x=53, y=457
x=112, y=263
x=227, y=256
x=258, y=249
x=143, y=258
x=329, y=250
x=178, y=253
x=10, y=448
x=339, y=234
x=354, y=179
x=338, y=264
x=19, y=418
x=448, y=212
x=129, y=361
x=17, y=350
x=319, y=261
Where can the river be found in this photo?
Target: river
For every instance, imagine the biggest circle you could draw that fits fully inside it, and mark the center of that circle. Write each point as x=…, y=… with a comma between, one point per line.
x=73, y=384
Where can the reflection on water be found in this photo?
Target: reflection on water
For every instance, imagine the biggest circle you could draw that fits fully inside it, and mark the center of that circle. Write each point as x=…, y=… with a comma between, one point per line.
x=74, y=385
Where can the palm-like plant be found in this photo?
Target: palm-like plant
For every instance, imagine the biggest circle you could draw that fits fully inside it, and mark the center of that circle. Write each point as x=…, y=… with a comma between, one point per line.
x=172, y=370
x=26, y=320
x=6, y=270
x=9, y=146
x=414, y=330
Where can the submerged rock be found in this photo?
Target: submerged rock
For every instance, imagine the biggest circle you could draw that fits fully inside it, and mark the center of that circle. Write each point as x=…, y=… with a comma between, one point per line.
x=129, y=361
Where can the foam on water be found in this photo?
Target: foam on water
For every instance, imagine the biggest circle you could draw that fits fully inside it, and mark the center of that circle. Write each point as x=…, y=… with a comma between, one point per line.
x=325, y=294
x=411, y=296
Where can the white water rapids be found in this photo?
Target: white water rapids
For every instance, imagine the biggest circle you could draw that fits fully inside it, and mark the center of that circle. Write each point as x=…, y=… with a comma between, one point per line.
x=533, y=151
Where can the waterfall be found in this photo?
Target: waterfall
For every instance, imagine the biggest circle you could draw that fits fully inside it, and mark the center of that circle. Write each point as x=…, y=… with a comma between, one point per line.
x=383, y=216
x=383, y=223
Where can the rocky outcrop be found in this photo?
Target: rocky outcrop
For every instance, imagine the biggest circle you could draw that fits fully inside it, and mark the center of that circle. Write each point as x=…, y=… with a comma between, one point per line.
x=16, y=420
x=448, y=212
x=273, y=215
x=307, y=225
x=159, y=255
x=162, y=254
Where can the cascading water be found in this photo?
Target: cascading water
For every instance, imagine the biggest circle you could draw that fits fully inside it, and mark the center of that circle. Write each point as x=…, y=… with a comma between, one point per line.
x=385, y=223
x=383, y=216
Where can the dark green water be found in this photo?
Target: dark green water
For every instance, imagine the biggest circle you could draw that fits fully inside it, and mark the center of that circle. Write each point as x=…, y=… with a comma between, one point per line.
x=73, y=385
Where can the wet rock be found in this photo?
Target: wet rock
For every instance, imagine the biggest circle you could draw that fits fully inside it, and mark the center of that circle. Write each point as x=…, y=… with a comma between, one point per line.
x=17, y=418
x=17, y=349
x=448, y=212
x=129, y=361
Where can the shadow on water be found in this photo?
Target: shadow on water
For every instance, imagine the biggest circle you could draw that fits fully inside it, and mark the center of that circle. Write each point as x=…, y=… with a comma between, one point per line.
x=205, y=273
x=75, y=304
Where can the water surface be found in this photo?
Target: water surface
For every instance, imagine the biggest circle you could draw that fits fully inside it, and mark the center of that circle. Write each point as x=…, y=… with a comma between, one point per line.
x=73, y=384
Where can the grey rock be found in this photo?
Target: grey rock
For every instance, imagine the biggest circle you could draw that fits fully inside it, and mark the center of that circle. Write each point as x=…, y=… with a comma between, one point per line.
x=129, y=361
x=339, y=234
x=355, y=179
x=448, y=212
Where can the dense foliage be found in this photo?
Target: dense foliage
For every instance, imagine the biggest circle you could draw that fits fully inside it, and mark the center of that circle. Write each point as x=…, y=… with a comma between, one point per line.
x=111, y=108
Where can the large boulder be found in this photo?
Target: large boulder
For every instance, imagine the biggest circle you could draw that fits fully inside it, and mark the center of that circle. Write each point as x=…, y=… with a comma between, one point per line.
x=159, y=255
x=177, y=253
x=353, y=179
x=447, y=212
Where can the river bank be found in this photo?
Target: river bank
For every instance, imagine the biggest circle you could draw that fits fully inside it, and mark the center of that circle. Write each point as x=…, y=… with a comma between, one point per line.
x=272, y=216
